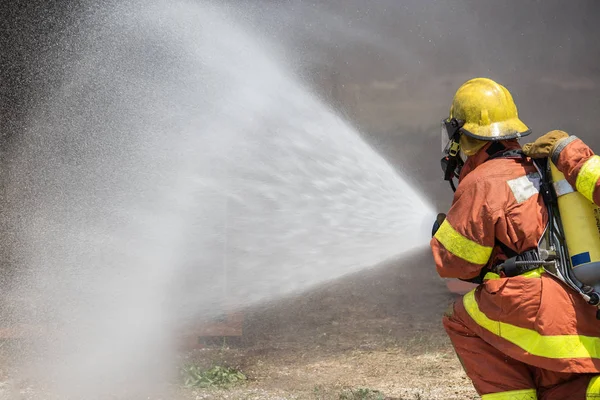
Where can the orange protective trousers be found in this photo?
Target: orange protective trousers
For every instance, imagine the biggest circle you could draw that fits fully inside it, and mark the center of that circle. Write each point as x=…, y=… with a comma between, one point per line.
x=500, y=358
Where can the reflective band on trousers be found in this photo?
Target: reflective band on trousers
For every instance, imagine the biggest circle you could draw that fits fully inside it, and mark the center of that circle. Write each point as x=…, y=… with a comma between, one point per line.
x=462, y=247
x=558, y=346
x=588, y=177
x=593, y=389
x=525, y=394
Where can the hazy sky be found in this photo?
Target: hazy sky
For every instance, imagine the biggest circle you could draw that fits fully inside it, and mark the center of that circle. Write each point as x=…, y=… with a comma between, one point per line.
x=440, y=36
x=546, y=52
x=364, y=40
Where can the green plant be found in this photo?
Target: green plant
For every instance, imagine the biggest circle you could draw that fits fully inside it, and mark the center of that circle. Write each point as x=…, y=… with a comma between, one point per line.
x=217, y=376
x=361, y=394
x=319, y=392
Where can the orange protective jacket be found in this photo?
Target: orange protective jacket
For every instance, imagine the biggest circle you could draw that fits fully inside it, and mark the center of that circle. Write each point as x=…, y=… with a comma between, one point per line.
x=509, y=327
x=497, y=202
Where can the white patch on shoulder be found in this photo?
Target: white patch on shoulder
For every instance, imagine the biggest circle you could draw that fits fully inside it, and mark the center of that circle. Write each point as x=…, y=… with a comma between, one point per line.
x=525, y=186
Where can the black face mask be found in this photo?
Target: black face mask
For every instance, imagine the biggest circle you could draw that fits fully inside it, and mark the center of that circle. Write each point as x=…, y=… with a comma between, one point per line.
x=451, y=162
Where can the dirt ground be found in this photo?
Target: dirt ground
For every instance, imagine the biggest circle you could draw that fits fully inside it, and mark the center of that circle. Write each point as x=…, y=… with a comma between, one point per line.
x=378, y=330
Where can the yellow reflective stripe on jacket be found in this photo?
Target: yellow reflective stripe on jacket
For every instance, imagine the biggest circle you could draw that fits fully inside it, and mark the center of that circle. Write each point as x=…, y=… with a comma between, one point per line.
x=557, y=346
x=489, y=276
x=593, y=389
x=534, y=273
x=462, y=247
x=588, y=177
x=525, y=394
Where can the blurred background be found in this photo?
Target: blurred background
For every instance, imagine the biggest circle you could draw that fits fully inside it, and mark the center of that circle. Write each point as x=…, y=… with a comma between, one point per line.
x=391, y=67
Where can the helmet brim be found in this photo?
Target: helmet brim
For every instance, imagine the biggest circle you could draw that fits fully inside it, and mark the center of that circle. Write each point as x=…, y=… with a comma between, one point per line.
x=505, y=130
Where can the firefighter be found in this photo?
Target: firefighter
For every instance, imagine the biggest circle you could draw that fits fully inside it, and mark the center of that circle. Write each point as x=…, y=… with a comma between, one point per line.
x=519, y=334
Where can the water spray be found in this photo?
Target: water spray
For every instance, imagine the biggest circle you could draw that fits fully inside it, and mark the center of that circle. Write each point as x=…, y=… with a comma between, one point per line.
x=178, y=141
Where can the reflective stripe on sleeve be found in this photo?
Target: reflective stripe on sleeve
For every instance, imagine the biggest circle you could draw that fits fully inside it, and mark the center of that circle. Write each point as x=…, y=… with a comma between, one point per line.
x=462, y=247
x=524, y=394
x=557, y=346
x=588, y=176
x=560, y=146
x=593, y=389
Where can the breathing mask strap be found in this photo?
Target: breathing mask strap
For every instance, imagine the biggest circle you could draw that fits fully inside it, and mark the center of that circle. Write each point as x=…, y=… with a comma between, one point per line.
x=452, y=163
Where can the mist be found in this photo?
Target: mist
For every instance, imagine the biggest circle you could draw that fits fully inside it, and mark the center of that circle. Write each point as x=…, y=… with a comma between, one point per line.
x=319, y=130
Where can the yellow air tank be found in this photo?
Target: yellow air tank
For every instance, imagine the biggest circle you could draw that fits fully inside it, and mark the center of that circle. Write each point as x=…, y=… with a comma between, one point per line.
x=581, y=224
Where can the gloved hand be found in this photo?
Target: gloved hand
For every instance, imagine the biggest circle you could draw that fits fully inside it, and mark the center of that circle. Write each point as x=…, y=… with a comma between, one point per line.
x=544, y=145
x=441, y=217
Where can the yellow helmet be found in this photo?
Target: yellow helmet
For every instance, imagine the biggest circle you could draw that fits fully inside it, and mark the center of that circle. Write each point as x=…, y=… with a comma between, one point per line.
x=488, y=113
